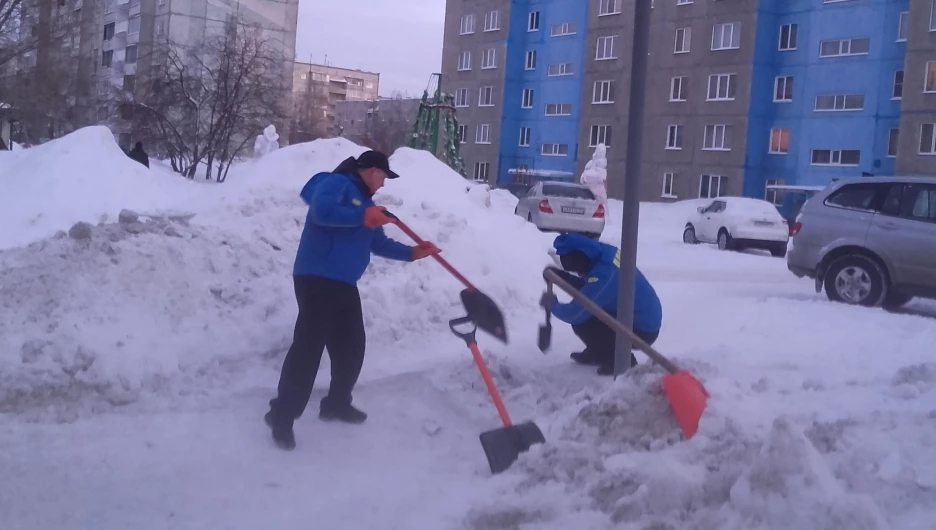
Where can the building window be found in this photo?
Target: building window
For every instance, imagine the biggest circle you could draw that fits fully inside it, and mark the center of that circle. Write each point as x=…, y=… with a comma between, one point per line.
x=461, y=97
x=129, y=83
x=892, y=138
x=492, y=20
x=835, y=157
x=932, y=22
x=783, y=89
x=609, y=7
x=467, y=25
x=788, y=37
x=464, y=61
x=898, y=85
x=674, y=137
x=779, y=141
x=486, y=96
x=928, y=139
x=559, y=109
x=683, y=2
x=160, y=27
x=533, y=21
x=678, y=88
x=481, y=171
x=560, y=30
x=555, y=150
x=132, y=54
x=668, y=186
x=721, y=87
x=774, y=196
x=929, y=80
x=842, y=48
x=840, y=102
x=559, y=69
x=726, y=36
x=483, y=134
x=712, y=186
x=134, y=25
x=108, y=31
x=462, y=133
x=107, y=59
x=524, y=137
x=605, y=48
x=603, y=92
x=600, y=134
x=489, y=59
x=717, y=138
x=902, y=27
x=683, y=40
x=531, y=60
x=527, y=102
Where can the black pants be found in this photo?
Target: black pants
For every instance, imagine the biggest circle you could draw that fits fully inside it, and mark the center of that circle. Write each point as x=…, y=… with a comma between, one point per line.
x=599, y=340
x=329, y=317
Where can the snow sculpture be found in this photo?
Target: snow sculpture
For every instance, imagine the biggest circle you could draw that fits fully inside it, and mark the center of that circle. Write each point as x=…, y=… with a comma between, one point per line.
x=596, y=174
x=267, y=142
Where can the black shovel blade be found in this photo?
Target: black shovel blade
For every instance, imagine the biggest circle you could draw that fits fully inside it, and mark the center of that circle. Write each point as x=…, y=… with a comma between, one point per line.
x=485, y=313
x=544, y=340
x=502, y=446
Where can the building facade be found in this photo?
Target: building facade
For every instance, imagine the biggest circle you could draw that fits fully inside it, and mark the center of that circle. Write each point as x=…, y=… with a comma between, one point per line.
x=741, y=94
x=322, y=87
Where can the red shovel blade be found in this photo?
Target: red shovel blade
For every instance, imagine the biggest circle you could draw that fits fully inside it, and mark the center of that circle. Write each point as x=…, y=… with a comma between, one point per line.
x=688, y=398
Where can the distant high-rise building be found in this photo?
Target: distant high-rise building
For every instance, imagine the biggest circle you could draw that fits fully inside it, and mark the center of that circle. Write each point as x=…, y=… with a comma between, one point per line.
x=740, y=94
x=318, y=88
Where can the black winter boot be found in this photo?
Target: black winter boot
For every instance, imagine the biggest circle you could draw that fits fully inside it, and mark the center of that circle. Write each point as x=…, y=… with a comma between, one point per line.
x=584, y=357
x=331, y=411
x=282, y=432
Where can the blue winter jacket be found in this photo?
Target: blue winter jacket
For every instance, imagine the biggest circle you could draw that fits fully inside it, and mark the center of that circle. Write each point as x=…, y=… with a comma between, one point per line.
x=335, y=244
x=601, y=285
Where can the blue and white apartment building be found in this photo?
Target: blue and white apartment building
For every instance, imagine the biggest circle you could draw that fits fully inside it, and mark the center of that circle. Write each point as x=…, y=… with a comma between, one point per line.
x=740, y=93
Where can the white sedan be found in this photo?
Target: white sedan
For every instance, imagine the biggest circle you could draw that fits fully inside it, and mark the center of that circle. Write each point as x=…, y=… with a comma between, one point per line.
x=737, y=223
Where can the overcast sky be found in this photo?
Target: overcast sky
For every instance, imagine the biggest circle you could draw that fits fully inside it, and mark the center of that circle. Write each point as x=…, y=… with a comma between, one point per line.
x=399, y=39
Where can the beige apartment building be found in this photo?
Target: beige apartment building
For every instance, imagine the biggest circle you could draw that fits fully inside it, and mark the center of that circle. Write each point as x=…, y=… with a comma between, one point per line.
x=318, y=88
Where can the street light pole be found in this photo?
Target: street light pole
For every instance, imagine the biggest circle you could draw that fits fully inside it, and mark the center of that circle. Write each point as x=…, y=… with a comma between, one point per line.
x=632, y=163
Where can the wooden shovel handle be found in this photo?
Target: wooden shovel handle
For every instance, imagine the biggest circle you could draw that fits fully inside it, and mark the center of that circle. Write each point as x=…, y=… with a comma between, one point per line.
x=593, y=308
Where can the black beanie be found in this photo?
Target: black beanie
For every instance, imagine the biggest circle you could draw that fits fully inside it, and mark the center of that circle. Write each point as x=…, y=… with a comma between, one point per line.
x=575, y=261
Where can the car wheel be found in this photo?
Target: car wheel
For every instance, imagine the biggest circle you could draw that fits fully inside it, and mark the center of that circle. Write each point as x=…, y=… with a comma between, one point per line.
x=688, y=235
x=855, y=280
x=530, y=217
x=896, y=300
x=724, y=240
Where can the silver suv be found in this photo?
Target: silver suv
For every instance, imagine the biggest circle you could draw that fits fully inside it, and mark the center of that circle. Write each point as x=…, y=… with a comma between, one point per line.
x=869, y=241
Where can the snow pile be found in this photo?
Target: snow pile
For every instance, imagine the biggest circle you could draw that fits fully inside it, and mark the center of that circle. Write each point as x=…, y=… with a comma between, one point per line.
x=166, y=303
x=615, y=458
x=79, y=177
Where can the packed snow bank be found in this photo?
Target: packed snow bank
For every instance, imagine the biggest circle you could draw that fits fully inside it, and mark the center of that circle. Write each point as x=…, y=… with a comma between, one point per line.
x=83, y=176
x=168, y=303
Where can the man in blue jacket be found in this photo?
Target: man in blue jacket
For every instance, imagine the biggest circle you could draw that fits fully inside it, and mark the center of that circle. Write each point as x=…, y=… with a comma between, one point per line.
x=343, y=228
x=598, y=268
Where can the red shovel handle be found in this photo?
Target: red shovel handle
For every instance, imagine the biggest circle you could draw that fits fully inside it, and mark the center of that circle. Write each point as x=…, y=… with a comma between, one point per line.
x=408, y=231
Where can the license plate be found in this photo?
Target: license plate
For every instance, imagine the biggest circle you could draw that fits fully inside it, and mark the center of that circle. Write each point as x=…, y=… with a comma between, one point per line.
x=570, y=209
x=763, y=223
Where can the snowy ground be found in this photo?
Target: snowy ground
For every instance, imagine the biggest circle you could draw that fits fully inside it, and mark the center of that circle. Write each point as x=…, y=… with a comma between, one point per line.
x=136, y=364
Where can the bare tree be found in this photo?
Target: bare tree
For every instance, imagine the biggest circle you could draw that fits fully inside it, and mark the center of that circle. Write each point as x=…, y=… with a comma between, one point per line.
x=389, y=123
x=206, y=105
x=13, y=42
x=310, y=106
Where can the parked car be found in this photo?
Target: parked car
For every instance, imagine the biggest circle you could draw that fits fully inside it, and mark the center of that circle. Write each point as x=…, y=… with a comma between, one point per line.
x=869, y=241
x=737, y=223
x=563, y=207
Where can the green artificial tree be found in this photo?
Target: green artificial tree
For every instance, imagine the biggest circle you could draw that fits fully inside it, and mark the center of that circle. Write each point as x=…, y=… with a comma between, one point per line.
x=437, y=114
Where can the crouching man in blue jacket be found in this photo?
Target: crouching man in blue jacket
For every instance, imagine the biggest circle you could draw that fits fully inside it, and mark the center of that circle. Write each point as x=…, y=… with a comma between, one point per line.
x=343, y=228
x=597, y=266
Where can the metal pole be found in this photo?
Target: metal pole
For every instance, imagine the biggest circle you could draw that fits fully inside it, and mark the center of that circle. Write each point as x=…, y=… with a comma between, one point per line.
x=632, y=162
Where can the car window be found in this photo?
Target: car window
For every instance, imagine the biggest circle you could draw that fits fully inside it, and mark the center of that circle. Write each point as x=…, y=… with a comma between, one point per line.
x=859, y=196
x=720, y=206
x=710, y=208
x=919, y=202
x=892, y=200
x=569, y=192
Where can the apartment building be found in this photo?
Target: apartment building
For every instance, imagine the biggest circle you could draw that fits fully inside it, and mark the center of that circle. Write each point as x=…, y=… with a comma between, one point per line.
x=740, y=94
x=327, y=85
x=111, y=41
x=916, y=149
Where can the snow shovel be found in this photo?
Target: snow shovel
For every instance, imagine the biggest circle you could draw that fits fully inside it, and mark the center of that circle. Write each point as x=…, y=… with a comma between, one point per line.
x=544, y=340
x=482, y=310
x=686, y=394
x=503, y=445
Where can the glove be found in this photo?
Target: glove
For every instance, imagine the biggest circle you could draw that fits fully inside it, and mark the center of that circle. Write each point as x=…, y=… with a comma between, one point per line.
x=548, y=300
x=376, y=216
x=424, y=250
